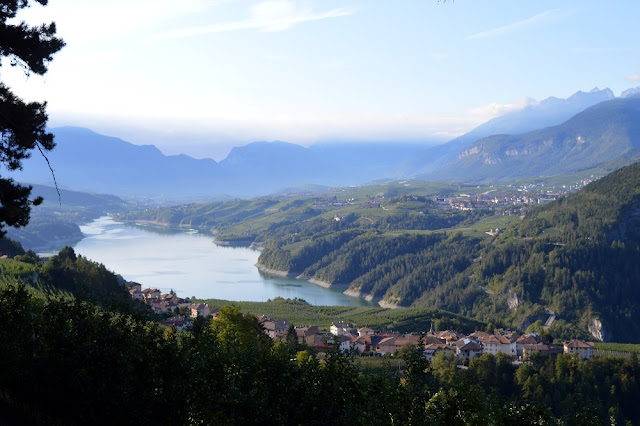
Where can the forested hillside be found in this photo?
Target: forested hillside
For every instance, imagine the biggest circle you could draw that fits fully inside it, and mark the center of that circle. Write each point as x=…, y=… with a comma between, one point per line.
x=55, y=223
x=65, y=275
x=578, y=256
x=572, y=263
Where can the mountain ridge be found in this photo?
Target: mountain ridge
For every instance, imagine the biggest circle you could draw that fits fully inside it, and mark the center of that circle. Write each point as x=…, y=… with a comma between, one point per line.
x=548, y=112
x=87, y=161
x=602, y=133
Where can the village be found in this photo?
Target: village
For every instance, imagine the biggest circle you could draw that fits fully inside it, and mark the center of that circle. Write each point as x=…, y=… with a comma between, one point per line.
x=507, y=199
x=366, y=341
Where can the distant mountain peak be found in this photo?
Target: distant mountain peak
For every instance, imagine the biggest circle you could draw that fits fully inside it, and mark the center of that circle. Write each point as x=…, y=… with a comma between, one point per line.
x=634, y=91
x=602, y=95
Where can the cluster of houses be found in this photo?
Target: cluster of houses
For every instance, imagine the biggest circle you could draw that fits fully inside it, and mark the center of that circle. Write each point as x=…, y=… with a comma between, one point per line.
x=168, y=302
x=366, y=341
x=333, y=202
x=373, y=202
x=467, y=202
x=530, y=194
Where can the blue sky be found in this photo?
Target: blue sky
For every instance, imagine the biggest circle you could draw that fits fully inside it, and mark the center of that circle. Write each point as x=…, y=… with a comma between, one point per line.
x=199, y=76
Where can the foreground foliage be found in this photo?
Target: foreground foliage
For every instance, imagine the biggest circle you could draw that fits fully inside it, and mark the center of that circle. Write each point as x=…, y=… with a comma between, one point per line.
x=69, y=356
x=22, y=124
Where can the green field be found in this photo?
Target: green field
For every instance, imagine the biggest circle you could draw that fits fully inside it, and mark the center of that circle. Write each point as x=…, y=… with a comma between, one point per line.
x=619, y=347
x=405, y=320
x=479, y=228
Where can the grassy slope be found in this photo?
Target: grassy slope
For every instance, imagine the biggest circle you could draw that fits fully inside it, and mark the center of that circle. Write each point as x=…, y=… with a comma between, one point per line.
x=403, y=320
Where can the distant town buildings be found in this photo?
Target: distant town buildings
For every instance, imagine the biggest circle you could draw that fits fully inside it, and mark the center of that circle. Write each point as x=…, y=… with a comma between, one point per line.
x=345, y=337
x=276, y=329
x=200, y=310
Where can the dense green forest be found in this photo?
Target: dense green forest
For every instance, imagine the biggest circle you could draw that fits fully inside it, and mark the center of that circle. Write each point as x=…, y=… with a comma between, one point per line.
x=69, y=355
x=578, y=256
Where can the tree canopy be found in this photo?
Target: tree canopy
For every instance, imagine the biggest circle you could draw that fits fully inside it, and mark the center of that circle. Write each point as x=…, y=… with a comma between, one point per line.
x=22, y=124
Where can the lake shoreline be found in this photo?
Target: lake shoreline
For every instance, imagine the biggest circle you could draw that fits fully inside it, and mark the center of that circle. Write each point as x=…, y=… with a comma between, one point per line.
x=234, y=243
x=312, y=280
x=187, y=262
x=144, y=222
x=300, y=276
x=277, y=272
x=371, y=299
x=53, y=246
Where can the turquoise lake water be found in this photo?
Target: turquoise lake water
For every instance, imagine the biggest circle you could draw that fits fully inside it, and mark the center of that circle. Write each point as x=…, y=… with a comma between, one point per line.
x=192, y=265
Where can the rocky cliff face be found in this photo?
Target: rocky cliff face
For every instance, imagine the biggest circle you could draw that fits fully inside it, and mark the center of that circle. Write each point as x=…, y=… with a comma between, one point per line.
x=513, y=301
x=597, y=330
x=471, y=151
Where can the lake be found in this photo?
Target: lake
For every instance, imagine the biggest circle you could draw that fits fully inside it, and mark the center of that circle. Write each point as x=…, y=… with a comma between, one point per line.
x=192, y=265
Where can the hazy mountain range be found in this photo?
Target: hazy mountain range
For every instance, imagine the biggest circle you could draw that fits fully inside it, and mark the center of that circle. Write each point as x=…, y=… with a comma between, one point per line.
x=606, y=132
x=553, y=136
x=549, y=112
x=87, y=161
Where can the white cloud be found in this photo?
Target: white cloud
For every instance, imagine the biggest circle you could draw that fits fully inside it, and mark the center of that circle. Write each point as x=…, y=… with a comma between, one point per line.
x=267, y=16
x=633, y=77
x=514, y=26
x=100, y=58
x=492, y=110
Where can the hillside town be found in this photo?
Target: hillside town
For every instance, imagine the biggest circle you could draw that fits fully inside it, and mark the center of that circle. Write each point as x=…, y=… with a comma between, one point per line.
x=366, y=341
x=508, y=199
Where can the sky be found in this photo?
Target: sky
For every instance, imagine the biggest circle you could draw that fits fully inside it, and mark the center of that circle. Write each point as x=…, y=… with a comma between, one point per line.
x=200, y=76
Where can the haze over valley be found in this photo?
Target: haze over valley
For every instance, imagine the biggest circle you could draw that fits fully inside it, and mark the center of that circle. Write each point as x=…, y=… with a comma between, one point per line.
x=556, y=136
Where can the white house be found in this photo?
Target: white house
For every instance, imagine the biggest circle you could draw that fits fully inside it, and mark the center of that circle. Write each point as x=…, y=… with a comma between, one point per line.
x=340, y=328
x=584, y=349
x=468, y=349
x=151, y=293
x=490, y=344
x=508, y=344
x=526, y=339
x=365, y=331
x=344, y=343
